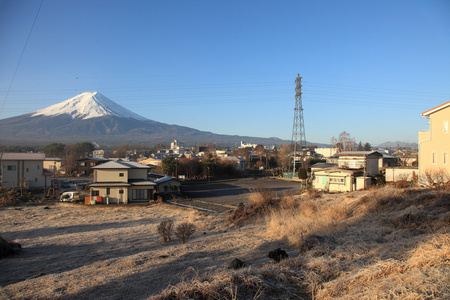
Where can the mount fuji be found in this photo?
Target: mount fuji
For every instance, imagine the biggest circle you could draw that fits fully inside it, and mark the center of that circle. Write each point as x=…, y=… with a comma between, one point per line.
x=90, y=116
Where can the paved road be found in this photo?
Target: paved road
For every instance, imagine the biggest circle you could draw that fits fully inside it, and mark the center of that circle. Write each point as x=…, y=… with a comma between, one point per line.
x=224, y=195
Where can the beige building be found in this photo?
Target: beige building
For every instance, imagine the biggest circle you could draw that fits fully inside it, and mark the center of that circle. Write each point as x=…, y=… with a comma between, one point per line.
x=367, y=161
x=152, y=161
x=121, y=182
x=354, y=170
x=53, y=164
x=434, y=144
x=26, y=169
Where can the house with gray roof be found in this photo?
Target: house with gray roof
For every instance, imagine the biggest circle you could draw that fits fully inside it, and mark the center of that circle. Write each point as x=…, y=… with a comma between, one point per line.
x=121, y=182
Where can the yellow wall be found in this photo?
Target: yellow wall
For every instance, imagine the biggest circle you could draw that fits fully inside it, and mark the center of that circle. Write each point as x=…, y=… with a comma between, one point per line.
x=435, y=143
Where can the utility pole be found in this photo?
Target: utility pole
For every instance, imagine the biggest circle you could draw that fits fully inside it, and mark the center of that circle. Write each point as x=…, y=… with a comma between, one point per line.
x=298, y=128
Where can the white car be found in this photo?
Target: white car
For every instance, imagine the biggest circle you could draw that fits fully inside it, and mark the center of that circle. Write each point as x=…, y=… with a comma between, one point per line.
x=70, y=197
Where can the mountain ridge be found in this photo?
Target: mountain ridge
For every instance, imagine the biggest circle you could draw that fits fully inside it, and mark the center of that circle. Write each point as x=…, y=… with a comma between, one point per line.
x=91, y=116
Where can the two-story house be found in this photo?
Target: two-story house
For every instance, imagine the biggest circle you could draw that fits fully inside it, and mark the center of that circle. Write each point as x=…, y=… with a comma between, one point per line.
x=434, y=144
x=24, y=170
x=121, y=182
x=353, y=171
x=84, y=165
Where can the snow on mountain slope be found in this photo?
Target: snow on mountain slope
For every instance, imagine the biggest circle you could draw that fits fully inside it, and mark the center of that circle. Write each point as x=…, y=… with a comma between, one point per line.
x=88, y=105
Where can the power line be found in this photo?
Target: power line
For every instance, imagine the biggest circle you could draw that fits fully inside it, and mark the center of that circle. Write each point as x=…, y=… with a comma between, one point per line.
x=20, y=58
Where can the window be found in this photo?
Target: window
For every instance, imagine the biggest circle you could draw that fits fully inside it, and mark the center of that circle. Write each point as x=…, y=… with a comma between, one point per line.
x=27, y=170
x=139, y=194
x=11, y=168
x=337, y=180
x=445, y=158
x=434, y=158
x=38, y=167
x=445, y=126
x=120, y=191
x=82, y=164
x=108, y=191
x=120, y=174
x=95, y=193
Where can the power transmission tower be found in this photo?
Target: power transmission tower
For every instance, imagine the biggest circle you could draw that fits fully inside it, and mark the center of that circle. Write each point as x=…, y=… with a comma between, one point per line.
x=298, y=129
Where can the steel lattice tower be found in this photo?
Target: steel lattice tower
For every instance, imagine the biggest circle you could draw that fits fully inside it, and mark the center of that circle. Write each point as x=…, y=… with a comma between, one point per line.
x=298, y=128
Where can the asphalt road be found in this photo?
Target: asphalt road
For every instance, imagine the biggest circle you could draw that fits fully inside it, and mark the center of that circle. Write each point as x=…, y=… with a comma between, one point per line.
x=224, y=195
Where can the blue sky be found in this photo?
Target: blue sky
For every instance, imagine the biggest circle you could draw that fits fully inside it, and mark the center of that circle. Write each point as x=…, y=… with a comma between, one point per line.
x=369, y=67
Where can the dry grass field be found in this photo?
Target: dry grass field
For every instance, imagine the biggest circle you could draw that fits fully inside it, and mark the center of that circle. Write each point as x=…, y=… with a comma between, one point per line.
x=385, y=243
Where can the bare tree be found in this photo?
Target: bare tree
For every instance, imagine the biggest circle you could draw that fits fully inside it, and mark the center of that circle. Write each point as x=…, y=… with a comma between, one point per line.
x=165, y=229
x=184, y=231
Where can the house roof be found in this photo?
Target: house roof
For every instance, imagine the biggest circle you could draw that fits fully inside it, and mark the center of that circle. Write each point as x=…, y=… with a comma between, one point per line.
x=121, y=165
x=141, y=182
x=358, y=153
x=164, y=179
x=233, y=158
x=53, y=159
x=435, y=109
x=94, y=158
x=102, y=184
x=324, y=166
x=22, y=156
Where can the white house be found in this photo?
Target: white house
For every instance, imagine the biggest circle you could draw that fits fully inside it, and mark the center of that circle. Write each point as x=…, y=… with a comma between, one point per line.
x=24, y=169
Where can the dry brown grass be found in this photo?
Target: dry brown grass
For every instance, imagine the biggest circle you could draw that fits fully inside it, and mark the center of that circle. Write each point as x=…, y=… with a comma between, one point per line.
x=387, y=243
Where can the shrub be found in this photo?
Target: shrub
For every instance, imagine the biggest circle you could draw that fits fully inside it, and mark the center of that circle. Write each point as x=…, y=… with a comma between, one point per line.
x=184, y=231
x=437, y=178
x=165, y=229
x=8, y=197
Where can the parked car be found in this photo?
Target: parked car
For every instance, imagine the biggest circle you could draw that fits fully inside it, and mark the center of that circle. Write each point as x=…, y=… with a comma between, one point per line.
x=70, y=197
x=65, y=184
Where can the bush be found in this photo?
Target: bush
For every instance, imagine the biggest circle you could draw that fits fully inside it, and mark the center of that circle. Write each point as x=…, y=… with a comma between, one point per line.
x=8, y=197
x=184, y=231
x=165, y=229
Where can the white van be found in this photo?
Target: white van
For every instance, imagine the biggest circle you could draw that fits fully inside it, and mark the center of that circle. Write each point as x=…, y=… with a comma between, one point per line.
x=70, y=197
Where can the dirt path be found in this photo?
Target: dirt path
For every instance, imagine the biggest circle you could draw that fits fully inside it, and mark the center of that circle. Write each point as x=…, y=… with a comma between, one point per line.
x=111, y=252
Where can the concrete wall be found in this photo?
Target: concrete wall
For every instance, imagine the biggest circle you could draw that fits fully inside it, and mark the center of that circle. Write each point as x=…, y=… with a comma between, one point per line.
x=396, y=174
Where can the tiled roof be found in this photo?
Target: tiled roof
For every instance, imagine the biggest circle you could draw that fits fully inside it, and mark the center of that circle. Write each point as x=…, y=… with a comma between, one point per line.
x=121, y=165
x=358, y=153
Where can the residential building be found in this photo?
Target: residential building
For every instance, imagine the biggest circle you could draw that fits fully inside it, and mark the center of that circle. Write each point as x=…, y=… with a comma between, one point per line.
x=155, y=161
x=326, y=152
x=239, y=163
x=434, y=144
x=84, y=165
x=367, y=161
x=53, y=164
x=247, y=145
x=121, y=182
x=24, y=170
x=331, y=178
x=165, y=184
x=353, y=171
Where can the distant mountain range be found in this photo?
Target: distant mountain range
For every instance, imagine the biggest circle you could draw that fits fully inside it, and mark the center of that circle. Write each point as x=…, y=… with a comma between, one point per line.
x=93, y=117
x=393, y=145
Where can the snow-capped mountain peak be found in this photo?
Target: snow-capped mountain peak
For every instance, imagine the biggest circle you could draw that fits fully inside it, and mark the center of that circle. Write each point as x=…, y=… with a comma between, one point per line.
x=88, y=105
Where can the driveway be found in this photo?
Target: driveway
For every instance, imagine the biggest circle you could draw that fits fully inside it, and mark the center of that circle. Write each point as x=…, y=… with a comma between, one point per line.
x=224, y=195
